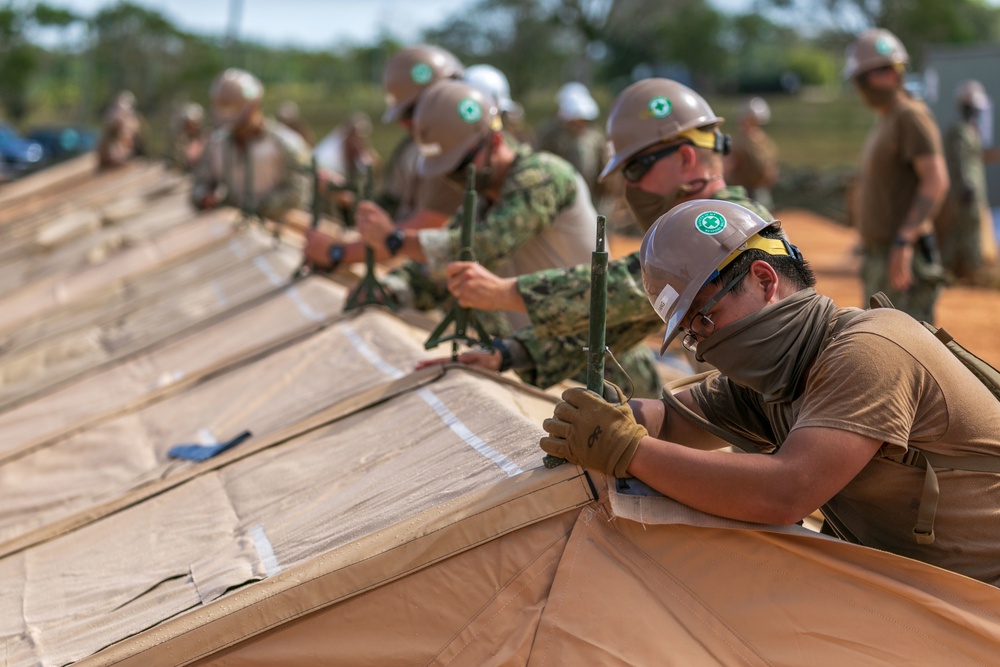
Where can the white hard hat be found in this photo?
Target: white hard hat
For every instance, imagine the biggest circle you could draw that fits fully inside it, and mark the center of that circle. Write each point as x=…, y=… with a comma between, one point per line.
x=575, y=102
x=756, y=108
x=491, y=81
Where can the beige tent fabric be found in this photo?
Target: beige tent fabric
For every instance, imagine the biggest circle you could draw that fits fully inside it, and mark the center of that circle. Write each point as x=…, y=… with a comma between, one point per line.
x=297, y=501
x=45, y=181
x=46, y=295
x=273, y=392
x=293, y=312
x=496, y=594
x=38, y=368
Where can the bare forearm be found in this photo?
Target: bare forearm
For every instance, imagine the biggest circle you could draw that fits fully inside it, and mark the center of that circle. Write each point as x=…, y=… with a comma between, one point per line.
x=746, y=487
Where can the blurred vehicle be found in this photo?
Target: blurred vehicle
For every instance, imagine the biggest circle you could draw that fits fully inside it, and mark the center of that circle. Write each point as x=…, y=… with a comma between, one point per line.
x=20, y=155
x=62, y=142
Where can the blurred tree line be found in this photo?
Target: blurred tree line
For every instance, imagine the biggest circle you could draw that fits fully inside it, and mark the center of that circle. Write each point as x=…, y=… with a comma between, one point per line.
x=57, y=66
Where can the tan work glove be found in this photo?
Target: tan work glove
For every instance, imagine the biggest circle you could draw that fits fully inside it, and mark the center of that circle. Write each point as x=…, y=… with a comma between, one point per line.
x=592, y=432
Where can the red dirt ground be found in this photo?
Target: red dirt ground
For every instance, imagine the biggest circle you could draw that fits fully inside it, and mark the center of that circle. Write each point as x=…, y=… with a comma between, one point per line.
x=970, y=314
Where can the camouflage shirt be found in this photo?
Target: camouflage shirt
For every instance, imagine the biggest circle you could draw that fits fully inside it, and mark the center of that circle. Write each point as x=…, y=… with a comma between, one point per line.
x=537, y=190
x=558, y=300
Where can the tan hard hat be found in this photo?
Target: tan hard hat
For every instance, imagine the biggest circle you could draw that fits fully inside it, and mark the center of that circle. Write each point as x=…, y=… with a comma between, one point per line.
x=652, y=111
x=234, y=93
x=972, y=94
x=685, y=247
x=450, y=119
x=412, y=70
x=873, y=49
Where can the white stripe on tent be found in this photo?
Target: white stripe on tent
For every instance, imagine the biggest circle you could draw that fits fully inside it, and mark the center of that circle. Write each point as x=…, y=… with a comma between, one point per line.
x=220, y=294
x=370, y=355
x=446, y=415
x=473, y=440
x=303, y=307
x=261, y=263
x=264, y=550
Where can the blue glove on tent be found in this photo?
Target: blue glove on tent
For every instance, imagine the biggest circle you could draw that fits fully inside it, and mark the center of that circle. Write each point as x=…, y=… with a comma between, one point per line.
x=205, y=452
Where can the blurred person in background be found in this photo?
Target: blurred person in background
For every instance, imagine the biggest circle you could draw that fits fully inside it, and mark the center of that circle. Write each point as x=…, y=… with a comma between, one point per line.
x=120, y=138
x=247, y=144
x=573, y=135
x=342, y=156
x=188, y=136
x=902, y=183
x=960, y=227
x=753, y=160
x=289, y=115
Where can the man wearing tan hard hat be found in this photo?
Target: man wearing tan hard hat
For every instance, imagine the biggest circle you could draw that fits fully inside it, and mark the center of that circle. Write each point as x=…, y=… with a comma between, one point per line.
x=902, y=182
x=412, y=200
x=535, y=211
x=668, y=146
x=245, y=143
x=864, y=415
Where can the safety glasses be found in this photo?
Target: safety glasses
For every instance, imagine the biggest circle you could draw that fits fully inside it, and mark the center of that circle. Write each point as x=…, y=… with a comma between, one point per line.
x=636, y=168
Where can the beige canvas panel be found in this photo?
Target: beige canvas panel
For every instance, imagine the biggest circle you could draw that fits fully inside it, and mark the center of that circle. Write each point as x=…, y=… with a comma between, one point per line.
x=39, y=369
x=286, y=315
x=47, y=181
x=116, y=574
x=15, y=645
x=683, y=595
x=20, y=222
x=123, y=298
x=480, y=607
x=60, y=289
x=272, y=393
x=298, y=501
x=393, y=554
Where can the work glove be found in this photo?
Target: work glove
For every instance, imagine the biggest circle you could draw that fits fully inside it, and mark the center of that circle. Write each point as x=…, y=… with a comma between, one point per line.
x=592, y=432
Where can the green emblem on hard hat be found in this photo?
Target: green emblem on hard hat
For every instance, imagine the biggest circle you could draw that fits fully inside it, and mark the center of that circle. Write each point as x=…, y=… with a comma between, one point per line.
x=710, y=222
x=660, y=107
x=421, y=73
x=469, y=110
x=883, y=46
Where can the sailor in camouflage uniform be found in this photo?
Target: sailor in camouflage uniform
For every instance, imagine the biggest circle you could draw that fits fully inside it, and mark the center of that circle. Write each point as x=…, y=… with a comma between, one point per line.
x=667, y=144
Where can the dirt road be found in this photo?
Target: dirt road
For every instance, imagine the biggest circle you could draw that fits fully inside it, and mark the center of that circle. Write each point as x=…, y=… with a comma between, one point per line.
x=971, y=315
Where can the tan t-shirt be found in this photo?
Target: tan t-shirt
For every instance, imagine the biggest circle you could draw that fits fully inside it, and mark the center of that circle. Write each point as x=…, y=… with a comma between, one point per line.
x=887, y=377
x=888, y=182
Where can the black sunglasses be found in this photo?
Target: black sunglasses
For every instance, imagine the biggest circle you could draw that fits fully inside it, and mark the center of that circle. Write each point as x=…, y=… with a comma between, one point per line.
x=635, y=169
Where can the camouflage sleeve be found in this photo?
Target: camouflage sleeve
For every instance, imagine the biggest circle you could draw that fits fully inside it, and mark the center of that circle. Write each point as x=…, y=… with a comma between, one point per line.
x=555, y=359
x=518, y=216
x=293, y=191
x=558, y=300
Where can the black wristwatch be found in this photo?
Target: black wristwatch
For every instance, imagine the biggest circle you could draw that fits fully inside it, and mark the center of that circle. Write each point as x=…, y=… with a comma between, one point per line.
x=394, y=241
x=336, y=255
x=505, y=359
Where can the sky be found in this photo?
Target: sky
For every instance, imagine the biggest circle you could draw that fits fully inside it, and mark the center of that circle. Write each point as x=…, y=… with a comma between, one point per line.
x=309, y=23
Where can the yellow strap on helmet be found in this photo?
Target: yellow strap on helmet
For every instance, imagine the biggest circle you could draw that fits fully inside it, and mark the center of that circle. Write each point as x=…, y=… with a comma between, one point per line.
x=757, y=242
x=702, y=138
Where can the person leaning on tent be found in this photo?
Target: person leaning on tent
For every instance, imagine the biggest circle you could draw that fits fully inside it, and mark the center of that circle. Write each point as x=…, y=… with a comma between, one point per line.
x=667, y=144
x=246, y=140
x=840, y=406
x=903, y=180
x=753, y=162
x=959, y=227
